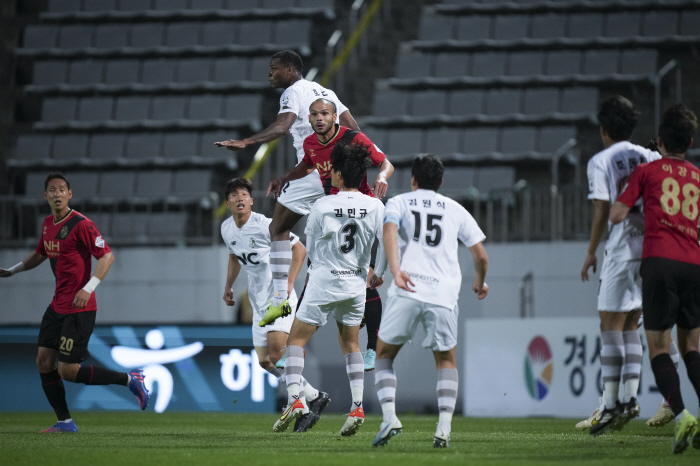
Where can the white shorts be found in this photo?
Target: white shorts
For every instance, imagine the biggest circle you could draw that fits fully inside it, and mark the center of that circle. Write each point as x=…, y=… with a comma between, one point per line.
x=401, y=318
x=299, y=195
x=318, y=303
x=620, y=286
x=283, y=324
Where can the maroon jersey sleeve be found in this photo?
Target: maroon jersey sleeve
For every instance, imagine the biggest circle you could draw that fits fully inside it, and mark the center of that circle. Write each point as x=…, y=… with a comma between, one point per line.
x=375, y=154
x=633, y=189
x=91, y=238
x=307, y=157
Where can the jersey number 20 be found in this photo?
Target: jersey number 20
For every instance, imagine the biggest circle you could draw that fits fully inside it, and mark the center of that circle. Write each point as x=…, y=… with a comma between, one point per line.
x=433, y=238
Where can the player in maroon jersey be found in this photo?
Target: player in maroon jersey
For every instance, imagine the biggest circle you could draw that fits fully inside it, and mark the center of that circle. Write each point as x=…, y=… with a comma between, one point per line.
x=68, y=240
x=670, y=189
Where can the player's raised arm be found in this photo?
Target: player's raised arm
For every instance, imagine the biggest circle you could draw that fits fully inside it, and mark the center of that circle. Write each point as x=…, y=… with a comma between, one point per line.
x=83, y=295
x=30, y=262
x=481, y=265
x=275, y=131
x=234, y=267
x=601, y=209
x=346, y=119
x=381, y=184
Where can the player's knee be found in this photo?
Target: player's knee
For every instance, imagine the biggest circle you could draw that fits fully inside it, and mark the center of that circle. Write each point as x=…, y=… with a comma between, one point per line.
x=267, y=365
x=68, y=372
x=43, y=364
x=275, y=356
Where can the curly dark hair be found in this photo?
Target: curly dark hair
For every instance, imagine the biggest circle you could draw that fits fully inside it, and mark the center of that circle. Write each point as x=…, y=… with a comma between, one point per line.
x=428, y=171
x=290, y=58
x=678, y=124
x=53, y=176
x=618, y=117
x=238, y=183
x=352, y=161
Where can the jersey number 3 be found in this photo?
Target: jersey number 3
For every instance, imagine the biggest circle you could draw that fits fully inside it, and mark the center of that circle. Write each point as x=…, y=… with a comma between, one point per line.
x=433, y=227
x=349, y=231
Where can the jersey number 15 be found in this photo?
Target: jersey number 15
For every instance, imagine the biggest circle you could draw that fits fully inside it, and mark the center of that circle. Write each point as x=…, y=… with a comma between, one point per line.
x=433, y=227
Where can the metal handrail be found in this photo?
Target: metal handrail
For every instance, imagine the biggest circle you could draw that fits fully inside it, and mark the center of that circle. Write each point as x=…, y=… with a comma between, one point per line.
x=667, y=68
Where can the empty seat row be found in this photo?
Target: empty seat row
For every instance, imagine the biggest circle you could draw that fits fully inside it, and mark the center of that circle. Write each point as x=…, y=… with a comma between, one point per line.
x=174, y=34
x=118, y=147
x=456, y=179
x=471, y=141
x=533, y=101
x=66, y=6
x=151, y=71
x=553, y=25
x=110, y=185
x=414, y=64
x=247, y=107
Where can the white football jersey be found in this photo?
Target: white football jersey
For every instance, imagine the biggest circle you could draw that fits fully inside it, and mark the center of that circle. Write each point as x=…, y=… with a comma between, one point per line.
x=297, y=99
x=429, y=226
x=342, y=228
x=608, y=172
x=251, y=245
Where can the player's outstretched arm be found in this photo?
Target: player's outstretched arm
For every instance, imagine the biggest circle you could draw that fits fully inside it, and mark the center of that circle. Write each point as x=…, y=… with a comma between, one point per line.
x=601, y=209
x=275, y=131
x=30, y=262
x=298, y=256
x=300, y=171
x=481, y=265
x=618, y=212
x=386, y=169
x=234, y=267
x=346, y=119
x=83, y=295
x=391, y=247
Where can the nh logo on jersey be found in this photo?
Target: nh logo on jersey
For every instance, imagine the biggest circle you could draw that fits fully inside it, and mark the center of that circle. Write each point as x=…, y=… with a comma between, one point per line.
x=324, y=167
x=243, y=259
x=52, y=246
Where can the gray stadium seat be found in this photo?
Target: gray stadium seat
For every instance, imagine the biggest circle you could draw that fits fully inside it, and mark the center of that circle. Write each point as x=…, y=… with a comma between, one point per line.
x=579, y=100
x=458, y=179
x=143, y=145
x=84, y=185
x=108, y=146
x=642, y=61
x=584, y=25
x=489, y=64
x=255, y=32
x=466, y=102
x=230, y=69
x=473, y=27
x=103, y=222
x=623, y=24
x=600, y=61
x=130, y=226
x=404, y=141
x=258, y=69
x=510, y=27
x=243, y=106
x=502, y=101
x=95, y=108
x=69, y=146
x=133, y=5
x=59, y=109
x=690, y=23
x=541, y=100
x=479, y=140
x=316, y=3
x=296, y=31
x=274, y=4
x=169, y=107
x=86, y=71
x=548, y=26
x=50, y=72
x=205, y=107
x=552, y=138
x=75, y=36
x=451, y=64
x=429, y=102
x=194, y=70
x=40, y=36
x=111, y=35
x=376, y=135
x=131, y=108
x=518, y=139
x=526, y=63
x=206, y=147
x=660, y=23
x=33, y=147
x=490, y=178
x=218, y=33
x=154, y=183
x=158, y=71
x=563, y=62
x=168, y=225
x=243, y=4
x=192, y=182
x=413, y=65
x=182, y=34
x=63, y=6
x=210, y=4
x=122, y=71
x=117, y=184
x=179, y=145
x=147, y=34
x=436, y=27
x=99, y=5
x=390, y=103
x=442, y=141
x=171, y=4
x=34, y=187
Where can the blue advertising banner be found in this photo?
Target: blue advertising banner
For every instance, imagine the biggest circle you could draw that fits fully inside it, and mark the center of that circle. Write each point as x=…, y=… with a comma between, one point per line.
x=186, y=368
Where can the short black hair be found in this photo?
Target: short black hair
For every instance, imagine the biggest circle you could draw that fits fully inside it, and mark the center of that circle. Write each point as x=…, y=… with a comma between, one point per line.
x=53, y=176
x=290, y=58
x=428, y=170
x=352, y=161
x=618, y=117
x=238, y=183
x=678, y=124
x=326, y=101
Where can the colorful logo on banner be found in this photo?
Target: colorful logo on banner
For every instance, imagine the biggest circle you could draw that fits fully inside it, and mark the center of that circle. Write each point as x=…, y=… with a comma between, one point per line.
x=538, y=368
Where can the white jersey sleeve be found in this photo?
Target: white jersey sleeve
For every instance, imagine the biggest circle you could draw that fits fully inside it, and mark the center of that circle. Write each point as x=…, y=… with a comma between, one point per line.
x=597, y=181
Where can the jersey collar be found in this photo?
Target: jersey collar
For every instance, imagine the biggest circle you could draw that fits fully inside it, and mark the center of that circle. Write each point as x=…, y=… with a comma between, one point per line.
x=337, y=132
x=70, y=211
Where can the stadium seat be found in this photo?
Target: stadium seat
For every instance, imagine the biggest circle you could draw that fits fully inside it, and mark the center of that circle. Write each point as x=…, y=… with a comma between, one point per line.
x=210, y=4
x=623, y=24
x=443, y=141
x=641, y=61
x=170, y=4
x=130, y=226
x=34, y=187
x=231, y=69
x=316, y=3
x=510, y=27
x=99, y=5
x=376, y=135
x=111, y=35
x=585, y=25
x=255, y=32
x=133, y=5
x=548, y=26
x=95, y=108
x=541, y=100
x=563, y=62
x=502, y=101
x=243, y=4
x=690, y=22
x=103, y=223
x=457, y=179
x=258, y=69
x=600, y=61
x=158, y=71
x=33, y=147
x=87, y=71
x=451, y=64
x=466, y=102
x=132, y=108
x=218, y=33
x=40, y=36
x=182, y=34
x=117, y=184
x=429, y=102
x=63, y=6
x=489, y=64
x=84, y=185
x=404, y=141
x=518, y=139
x=194, y=70
x=205, y=107
x=552, y=138
x=490, y=178
x=59, y=109
x=473, y=27
x=50, y=72
x=107, y=147
x=579, y=100
x=147, y=34
x=168, y=225
x=275, y=4
x=206, y=147
x=179, y=145
x=292, y=31
x=481, y=140
x=192, y=182
x=391, y=103
x=526, y=63
x=436, y=27
x=153, y=183
x=413, y=65
x=122, y=71
x=75, y=36
x=69, y=146
x=243, y=107
x=169, y=107
x=660, y=23
x=143, y=145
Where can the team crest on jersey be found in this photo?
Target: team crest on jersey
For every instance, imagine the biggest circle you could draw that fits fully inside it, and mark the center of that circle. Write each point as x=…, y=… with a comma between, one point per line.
x=99, y=242
x=64, y=232
x=252, y=243
x=233, y=243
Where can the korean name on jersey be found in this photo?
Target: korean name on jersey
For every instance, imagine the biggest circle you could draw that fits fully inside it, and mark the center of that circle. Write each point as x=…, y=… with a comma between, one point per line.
x=297, y=98
x=608, y=172
x=251, y=245
x=343, y=227
x=429, y=226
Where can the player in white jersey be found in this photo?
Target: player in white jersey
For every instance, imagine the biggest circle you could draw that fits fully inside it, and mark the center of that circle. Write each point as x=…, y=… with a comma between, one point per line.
x=340, y=232
x=247, y=239
x=421, y=233
x=620, y=292
x=297, y=196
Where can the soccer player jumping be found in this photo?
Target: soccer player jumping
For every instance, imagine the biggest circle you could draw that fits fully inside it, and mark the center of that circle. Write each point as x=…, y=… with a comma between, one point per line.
x=68, y=240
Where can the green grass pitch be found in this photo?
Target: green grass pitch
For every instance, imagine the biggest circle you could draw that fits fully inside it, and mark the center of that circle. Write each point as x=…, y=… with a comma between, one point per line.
x=200, y=439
